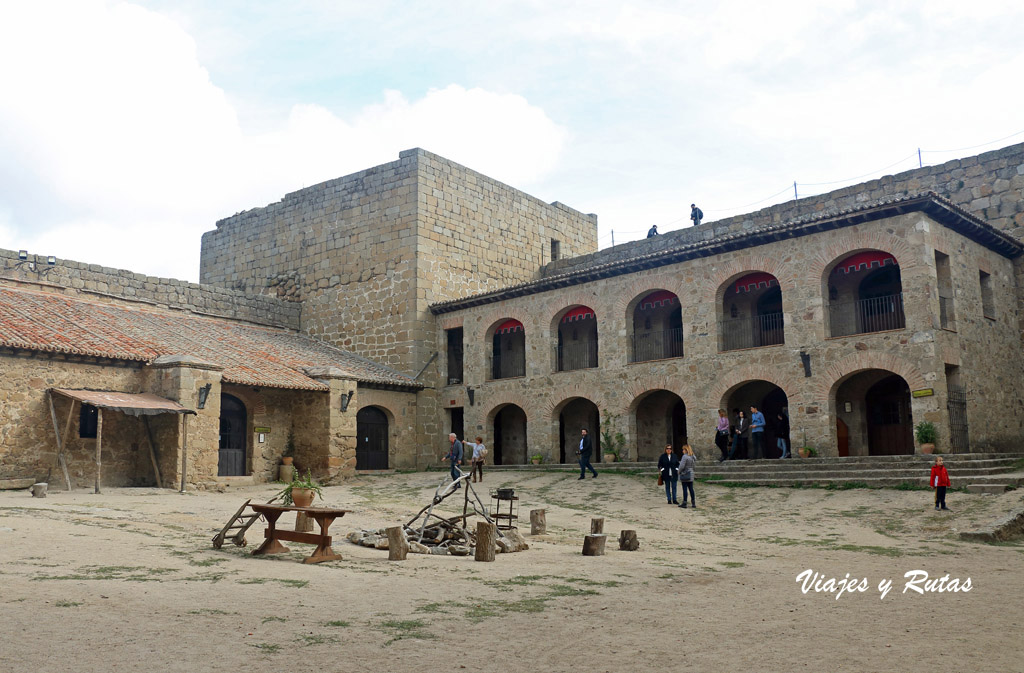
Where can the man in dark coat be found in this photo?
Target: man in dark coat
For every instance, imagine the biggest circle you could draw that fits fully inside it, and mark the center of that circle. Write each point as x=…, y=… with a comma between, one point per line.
x=652, y=232
x=584, y=451
x=696, y=214
x=454, y=456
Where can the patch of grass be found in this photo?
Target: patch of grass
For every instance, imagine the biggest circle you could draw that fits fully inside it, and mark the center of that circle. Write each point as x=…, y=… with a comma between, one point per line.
x=126, y=573
x=267, y=648
x=274, y=619
x=67, y=604
x=298, y=584
x=871, y=549
x=211, y=611
x=405, y=628
x=339, y=623
x=732, y=564
x=206, y=563
x=910, y=486
x=559, y=590
x=595, y=583
x=317, y=639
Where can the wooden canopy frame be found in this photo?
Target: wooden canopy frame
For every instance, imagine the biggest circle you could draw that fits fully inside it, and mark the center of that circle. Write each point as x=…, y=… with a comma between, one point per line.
x=131, y=404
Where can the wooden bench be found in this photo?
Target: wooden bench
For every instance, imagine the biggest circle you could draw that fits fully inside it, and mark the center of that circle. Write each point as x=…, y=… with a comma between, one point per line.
x=324, y=516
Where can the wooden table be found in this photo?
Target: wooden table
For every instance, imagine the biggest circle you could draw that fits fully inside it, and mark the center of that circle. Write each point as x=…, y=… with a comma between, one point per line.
x=324, y=516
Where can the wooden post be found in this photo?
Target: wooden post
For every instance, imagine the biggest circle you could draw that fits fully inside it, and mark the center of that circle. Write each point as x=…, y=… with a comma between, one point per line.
x=152, y=451
x=184, y=450
x=60, y=437
x=99, y=447
x=538, y=522
x=593, y=545
x=597, y=526
x=303, y=523
x=398, y=547
x=628, y=540
x=486, y=541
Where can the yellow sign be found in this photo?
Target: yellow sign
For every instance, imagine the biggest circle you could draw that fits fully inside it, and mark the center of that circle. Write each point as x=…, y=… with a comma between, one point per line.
x=267, y=430
x=924, y=392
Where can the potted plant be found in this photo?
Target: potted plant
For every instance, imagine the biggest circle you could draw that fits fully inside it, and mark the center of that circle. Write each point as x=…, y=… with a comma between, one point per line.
x=924, y=433
x=300, y=491
x=288, y=456
x=807, y=452
x=537, y=459
x=612, y=442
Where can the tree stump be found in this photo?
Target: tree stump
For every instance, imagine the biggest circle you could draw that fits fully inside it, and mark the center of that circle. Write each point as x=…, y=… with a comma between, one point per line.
x=628, y=541
x=593, y=545
x=398, y=547
x=597, y=526
x=538, y=522
x=303, y=523
x=486, y=541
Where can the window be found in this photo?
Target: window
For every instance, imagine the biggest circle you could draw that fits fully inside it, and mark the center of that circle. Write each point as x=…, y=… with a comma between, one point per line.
x=454, y=356
x=87, y=422
x=556, y=249
x=947, y=312
x=988, y=308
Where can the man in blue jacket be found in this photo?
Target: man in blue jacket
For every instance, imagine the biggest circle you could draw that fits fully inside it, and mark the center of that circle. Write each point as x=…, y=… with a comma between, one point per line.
x=584, y=452
x=756, y=432
x=454, y=456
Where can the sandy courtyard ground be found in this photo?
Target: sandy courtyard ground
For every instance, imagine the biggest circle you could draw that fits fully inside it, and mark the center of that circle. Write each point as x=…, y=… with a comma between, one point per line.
x=128, y=581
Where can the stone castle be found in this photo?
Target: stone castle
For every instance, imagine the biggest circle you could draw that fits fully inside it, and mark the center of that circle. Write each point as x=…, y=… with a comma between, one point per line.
x=356, y=322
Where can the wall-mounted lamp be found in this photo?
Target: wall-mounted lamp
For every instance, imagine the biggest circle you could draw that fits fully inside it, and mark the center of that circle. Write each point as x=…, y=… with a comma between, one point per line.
x=204, y=393
x=806, y=359
x=470, y=393
x=345, y=399
x=51, y=260
x=23, y=255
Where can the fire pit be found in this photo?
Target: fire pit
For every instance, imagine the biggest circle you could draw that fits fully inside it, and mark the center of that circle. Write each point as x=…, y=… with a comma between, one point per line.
x=505, y=508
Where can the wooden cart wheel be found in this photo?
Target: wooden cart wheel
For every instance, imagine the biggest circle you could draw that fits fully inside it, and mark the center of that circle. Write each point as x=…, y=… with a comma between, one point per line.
x=241, y=543
x=218, y=542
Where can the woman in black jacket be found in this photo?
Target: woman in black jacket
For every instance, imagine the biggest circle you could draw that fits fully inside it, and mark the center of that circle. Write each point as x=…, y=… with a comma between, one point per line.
x=668, y=466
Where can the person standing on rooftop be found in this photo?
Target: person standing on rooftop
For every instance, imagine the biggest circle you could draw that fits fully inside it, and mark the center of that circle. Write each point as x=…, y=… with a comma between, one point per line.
x=696, y=214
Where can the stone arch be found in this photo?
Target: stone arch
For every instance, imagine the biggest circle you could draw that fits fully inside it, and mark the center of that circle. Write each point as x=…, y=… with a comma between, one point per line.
x=734, y=378
x=640, y=288
x=563, y=394
x=825, y=385
x=714, y=287
x=509, y=422
x=642, y=385
x=496, y=402
x=581, y=411
x=656, y=417
x=821, y=265
x=495, y=316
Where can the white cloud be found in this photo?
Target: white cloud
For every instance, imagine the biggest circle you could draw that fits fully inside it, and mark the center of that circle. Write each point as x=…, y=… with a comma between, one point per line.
x=117, y=148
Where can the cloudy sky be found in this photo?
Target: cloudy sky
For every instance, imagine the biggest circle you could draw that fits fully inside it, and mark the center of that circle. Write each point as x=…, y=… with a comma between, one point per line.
x=128, y=129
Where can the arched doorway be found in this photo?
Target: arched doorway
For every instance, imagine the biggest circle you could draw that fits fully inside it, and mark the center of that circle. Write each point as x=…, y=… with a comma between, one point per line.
x=771, y=401
x=510, y=436
x=657, y=327
x=233, y=433
x=865, y=294
x=874, y=405
x=508, y=349
x=660, y=417
x=575, y=415
x=577, y=339
x=372, y=438
x=752, y=313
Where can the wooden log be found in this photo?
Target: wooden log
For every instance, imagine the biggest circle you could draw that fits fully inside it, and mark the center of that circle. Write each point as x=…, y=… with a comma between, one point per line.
x=593, y=545
x=99, y=447
x=538, y=522
x=398, y=547
x=152, y=452
x=60, y=438
x=303, y=523
x=184, y=450
x=486, y=541
x=628, y=540
x=597, y=526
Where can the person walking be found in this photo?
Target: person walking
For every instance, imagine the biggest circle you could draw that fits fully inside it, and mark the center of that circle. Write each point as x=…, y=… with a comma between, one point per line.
x=687, y=463
x=584, y=452
x=722, y=435
x=652, y=232
x=756, y=432
x=939, y=480
x=477, y=461
x=782, y=434
x=454, y=457
x=696, y=214
x=739, y=434
x=668, y=466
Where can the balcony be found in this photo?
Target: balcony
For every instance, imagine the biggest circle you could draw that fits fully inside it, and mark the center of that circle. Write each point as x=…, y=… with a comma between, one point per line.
x=657, y=345
x=508, y=364
x=878, y=314
x=754, y=332
x=580, y=355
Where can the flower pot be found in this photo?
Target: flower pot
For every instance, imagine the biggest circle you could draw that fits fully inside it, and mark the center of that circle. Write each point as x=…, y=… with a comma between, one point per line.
x=535, y=461
x=927, y=448
x=610, y=457
x=287, y=460
x=303, y=497
x=285, y=473
x=803, y=453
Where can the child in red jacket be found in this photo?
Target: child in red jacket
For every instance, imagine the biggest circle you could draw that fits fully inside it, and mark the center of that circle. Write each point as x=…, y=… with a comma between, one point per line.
x=939, y=481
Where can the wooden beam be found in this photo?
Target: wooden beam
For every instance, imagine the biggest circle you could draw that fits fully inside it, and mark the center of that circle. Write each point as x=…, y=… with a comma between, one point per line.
x=184, y=449
x=152, y=451
x=99, y=446
x=60, y=438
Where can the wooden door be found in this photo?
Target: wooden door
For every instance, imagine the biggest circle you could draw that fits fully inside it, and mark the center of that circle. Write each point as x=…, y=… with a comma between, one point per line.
x=372, y=434
x=233, y=434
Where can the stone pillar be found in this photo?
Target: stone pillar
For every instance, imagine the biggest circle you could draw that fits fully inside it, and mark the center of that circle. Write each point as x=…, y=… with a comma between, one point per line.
x=180, y=378
x=335, y=456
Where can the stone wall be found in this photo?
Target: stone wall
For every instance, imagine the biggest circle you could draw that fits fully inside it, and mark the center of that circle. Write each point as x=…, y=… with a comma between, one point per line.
x=400, y=409
x=99, y=283
x=989, y=185
x=987, y=351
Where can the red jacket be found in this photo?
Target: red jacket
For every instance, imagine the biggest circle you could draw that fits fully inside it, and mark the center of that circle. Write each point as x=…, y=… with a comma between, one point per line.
x=939, y=472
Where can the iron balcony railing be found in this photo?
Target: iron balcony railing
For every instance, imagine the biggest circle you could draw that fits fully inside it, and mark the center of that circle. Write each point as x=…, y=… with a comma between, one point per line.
x=863, y=316
x=947, y=316
x=657, y=345
x=760, y=330
x=508, y=364
x=579, y=355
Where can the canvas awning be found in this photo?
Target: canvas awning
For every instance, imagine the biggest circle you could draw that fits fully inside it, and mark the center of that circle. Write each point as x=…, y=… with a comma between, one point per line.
x=133, y=404
x=866, y=261
x=756, y=281
x=578, y=313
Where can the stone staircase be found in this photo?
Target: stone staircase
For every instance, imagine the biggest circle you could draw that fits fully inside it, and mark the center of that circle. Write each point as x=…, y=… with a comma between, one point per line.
x=992, y=469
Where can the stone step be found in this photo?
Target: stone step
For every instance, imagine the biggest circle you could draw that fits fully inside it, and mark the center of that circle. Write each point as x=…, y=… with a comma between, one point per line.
x=1010, y=479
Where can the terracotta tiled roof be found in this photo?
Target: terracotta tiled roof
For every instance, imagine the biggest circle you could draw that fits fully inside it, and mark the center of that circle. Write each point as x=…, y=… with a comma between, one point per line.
x=250, y=354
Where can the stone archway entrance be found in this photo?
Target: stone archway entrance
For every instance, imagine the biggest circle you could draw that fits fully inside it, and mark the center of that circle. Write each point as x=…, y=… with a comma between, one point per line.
x=660, y=419
x=372, y=437
x=879, y=419
x=510, y=436
x=233, y=426
x=771, y=401
x=575, y=415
